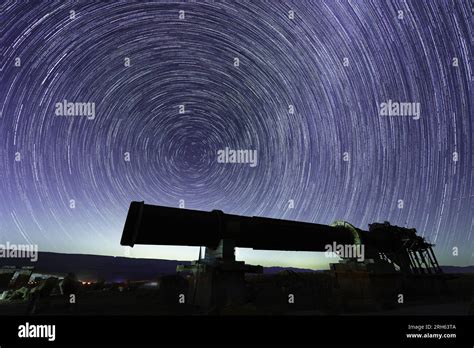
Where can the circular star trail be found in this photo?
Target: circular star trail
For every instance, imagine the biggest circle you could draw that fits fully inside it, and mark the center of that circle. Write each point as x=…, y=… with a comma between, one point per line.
x=172, y=83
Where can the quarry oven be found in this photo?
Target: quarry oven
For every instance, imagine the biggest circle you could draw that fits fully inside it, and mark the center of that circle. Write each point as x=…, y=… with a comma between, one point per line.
x=219, y=279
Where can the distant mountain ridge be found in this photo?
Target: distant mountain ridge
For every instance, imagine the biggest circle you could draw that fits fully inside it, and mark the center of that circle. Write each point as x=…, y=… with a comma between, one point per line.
x=112, y=268
x=458, y=269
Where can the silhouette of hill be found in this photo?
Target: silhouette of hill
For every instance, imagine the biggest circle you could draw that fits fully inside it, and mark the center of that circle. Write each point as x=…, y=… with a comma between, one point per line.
x=458, y=269
x=95, y=267
x=115, y=269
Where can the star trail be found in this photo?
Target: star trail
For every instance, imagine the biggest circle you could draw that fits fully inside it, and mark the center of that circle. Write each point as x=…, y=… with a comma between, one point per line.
x=171, y=84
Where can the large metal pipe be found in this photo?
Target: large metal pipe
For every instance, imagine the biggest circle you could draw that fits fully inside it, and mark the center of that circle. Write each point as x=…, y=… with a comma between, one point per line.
x=156, y=225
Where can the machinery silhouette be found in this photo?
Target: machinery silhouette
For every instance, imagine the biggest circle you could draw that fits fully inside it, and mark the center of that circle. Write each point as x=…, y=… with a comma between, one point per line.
x=218, y=279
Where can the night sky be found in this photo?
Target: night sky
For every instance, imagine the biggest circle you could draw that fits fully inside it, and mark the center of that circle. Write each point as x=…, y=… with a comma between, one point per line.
x=299, y=82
